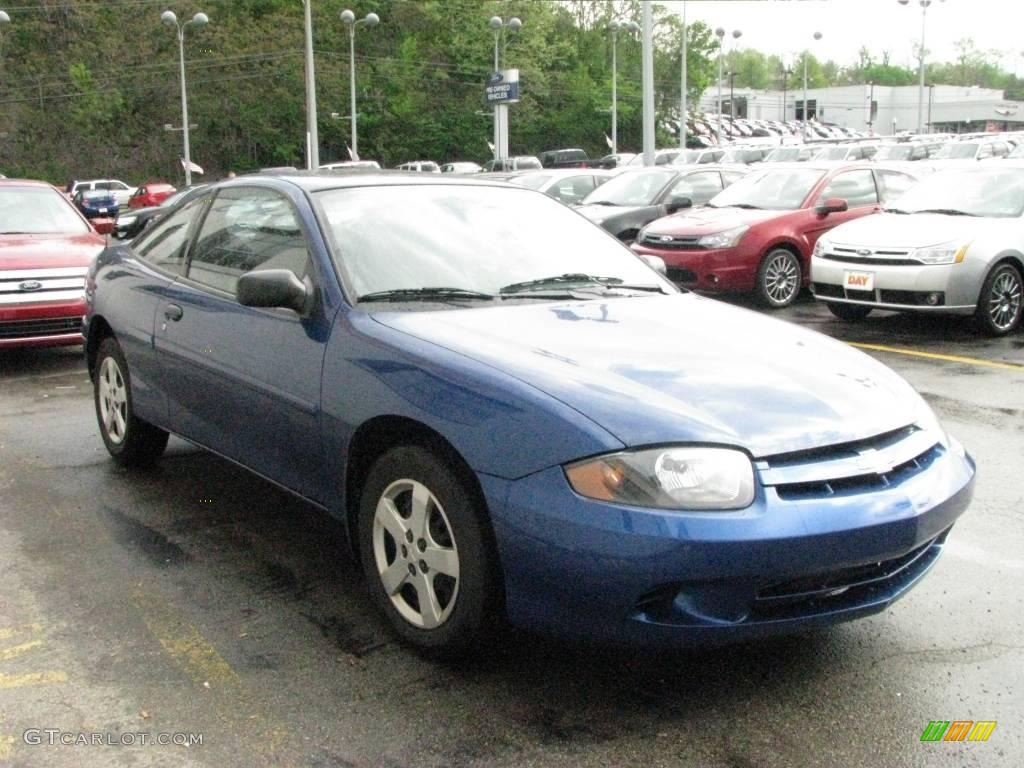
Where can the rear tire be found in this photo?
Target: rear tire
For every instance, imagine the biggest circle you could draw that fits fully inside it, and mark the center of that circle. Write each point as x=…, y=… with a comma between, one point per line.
x=426, y=553
x=779, y=279
x=851, y=313
x=130, y=441
x=1000, y=303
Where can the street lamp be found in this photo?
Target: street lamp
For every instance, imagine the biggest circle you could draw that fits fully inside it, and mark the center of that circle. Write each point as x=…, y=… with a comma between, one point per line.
x=732, y=107
x=498, y=25
x=613, y=28
x=349, y=19
x=817, y=36
x=682, y=88
x=786, y=72
x=4, y=19
x=931, y=91
x=920, y=57
x=720, y=34
x=871, y=107
x=199, y=20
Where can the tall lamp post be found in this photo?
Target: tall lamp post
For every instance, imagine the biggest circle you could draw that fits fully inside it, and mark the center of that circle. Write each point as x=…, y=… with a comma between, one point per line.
x=871, y=107
x=817, y=36
x=498, y=25
x=720, y=34
x=931, y=91
x=613, y=29
x=349, y=19
x=682, y=88
x=785, y=82
x=920, y=58
x=4, y=19
x=199, y=20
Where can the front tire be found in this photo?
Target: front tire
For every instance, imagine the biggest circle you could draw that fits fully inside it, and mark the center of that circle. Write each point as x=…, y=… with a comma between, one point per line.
x=779, y=279
x=426, y=553
x=851, y=313
x=1000, y=302
x=129, y=440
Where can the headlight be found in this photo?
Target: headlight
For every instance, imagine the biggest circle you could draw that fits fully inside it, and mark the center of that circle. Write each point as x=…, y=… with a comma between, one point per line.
x=950, y=253
x=641, y=235
x=726, y=239
x=819, y=247
x=668, y=478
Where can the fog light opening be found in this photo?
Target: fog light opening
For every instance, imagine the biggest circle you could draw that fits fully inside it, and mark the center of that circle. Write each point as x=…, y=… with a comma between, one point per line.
x=933, y=299
x=713, y=279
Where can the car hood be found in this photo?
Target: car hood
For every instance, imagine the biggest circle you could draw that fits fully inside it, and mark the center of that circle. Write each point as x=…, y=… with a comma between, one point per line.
x=916, y=230
x=599, y=213
x=49, y=251
x=704, y=221
x=681, y=368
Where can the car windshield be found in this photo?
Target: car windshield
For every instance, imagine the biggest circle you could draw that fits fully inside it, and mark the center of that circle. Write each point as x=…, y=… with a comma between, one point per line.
x=639, y=188
x=957, y=151
x=469, y=238
x=531, y=180
x=894, y=152
x=784, y=155
x=833, y=153
x=37, y=211
x=776, y=190
x=996, y=192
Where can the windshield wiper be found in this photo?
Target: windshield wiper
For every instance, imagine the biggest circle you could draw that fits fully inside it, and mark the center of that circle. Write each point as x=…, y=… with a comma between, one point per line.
x=601, y=202
x=744, y=206
x=946, y=211
x=425, y=294
x=896, y=210
x=574, y=279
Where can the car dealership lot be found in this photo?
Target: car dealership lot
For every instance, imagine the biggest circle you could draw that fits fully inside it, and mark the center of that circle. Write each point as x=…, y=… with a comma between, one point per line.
x=196, y=599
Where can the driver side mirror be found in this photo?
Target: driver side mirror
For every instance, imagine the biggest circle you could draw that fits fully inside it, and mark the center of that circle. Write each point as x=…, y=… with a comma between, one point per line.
x=678, y=203
x=273, y=288
x=831, y=205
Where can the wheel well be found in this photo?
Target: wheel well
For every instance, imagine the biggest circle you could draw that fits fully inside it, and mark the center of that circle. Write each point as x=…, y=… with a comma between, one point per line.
x=377, y=436
x=99, y=329
x=1010, y=258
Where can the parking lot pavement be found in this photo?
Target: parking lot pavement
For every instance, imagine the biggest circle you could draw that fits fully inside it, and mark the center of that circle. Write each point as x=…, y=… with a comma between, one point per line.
x=195, y=599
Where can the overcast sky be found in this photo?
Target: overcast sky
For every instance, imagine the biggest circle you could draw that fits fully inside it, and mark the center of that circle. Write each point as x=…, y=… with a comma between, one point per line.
x=785, y=26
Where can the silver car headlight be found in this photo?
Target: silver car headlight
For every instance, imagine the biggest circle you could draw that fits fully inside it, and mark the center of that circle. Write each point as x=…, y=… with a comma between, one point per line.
x=819, y=247
x=726, y=239
x=949, y=253
x=674, y=477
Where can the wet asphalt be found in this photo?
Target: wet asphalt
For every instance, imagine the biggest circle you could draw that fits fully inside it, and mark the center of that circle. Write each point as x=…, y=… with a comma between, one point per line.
x=197, y=599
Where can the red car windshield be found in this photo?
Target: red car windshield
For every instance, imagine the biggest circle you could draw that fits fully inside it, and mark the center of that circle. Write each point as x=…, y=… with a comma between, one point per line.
x=776, y=190
x=37, y=211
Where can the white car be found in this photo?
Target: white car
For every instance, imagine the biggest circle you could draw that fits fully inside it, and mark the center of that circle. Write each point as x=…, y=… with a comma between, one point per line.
x=568, y=185
x=952, y=244
x=371, y=164
x=121, y=190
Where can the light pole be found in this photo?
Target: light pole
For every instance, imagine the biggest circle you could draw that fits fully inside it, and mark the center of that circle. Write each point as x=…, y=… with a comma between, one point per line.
x=199, y=20
x=785, y=82
x=498, y=25
x=920, y=58
x=4, y=19
x=349, y=19
x=871, y=107
x=931, y=91
x=732, y=103
x=613, y=28
x=817, y=36
x=682, y=88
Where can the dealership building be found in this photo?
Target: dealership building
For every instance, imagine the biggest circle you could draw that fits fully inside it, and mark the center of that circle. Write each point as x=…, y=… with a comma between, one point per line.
x=885, y=109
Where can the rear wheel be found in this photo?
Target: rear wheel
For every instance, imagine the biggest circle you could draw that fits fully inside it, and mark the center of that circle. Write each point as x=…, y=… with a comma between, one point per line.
x=779, y=279
x=851, y=313
x=1000, y=302
x=129, y=440
x=425, y=551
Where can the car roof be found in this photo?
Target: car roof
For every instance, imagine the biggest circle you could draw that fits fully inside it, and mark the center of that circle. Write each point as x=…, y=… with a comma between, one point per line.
x=25, y=183
x=312, y=181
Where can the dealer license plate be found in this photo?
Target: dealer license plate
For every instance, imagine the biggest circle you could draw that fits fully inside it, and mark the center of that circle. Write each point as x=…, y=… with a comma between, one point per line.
x=859, y=281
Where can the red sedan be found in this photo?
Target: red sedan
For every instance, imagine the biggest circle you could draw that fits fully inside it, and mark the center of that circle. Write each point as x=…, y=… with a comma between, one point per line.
x=758, y=234
x=150, y=194
x=45, y=248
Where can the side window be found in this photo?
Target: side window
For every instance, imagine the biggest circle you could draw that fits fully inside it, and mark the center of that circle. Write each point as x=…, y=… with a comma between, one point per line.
x=699, y=187
x=731, y=177
x=163, y=245
x=1000, y=149
x=104, y=185
x=573, y=189
x=857, y=188
x=985, y=150
x=247, y=229
x=893, y=184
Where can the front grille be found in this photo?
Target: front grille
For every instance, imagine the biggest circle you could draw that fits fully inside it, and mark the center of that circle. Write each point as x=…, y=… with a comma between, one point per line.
x=856, y=467
x=674, y=243
x=680, y=275
x=25, y=329
x=870, y=260
x=845, y=587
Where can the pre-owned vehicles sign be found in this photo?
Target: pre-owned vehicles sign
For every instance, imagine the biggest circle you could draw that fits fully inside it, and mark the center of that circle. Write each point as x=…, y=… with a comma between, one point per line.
x=503, y=87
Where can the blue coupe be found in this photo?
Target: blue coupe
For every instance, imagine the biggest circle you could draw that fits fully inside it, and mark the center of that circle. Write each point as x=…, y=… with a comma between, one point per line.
x=515, y=416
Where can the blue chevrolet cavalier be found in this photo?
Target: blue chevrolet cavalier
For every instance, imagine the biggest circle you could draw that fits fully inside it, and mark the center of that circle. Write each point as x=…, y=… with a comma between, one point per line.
x=516, y=417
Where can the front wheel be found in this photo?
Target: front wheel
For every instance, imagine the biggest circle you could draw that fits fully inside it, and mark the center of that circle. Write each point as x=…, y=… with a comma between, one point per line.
x=425, y=551
x=779, y=279
x=1000, y=302
x=129, y=440
x=851, y=313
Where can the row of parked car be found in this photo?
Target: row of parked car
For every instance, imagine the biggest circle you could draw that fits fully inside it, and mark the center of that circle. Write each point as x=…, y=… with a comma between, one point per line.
x=103, y=199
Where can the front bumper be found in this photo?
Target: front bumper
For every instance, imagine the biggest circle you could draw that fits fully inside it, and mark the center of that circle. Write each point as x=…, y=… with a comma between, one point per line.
x=587, y=570
x=713, y=270
x=46, y=324
x=901, y=288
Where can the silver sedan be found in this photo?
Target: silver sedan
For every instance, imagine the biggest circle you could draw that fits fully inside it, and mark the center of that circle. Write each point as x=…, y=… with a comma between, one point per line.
x=953, y=243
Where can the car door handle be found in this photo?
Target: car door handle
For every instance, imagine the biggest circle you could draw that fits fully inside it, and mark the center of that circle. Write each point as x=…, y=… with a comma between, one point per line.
x=173, y=312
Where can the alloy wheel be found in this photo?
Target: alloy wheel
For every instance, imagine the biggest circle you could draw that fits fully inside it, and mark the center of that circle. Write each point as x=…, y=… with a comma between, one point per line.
x=781, y=278
x=113, y=401
x=415, y=553
x=1004, y=300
